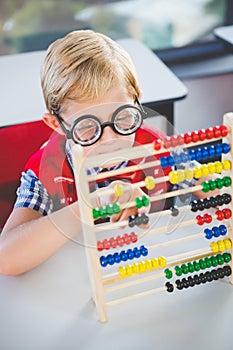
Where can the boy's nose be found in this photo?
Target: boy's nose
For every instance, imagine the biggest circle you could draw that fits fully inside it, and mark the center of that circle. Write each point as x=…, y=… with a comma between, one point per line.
x=108, y=134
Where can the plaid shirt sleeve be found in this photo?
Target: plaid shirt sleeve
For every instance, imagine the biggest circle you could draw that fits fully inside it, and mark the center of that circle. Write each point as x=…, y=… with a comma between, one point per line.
x=32, y=194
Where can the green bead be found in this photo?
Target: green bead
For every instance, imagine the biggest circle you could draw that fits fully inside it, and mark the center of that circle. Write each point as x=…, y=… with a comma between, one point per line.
x=208, y=262
x=219, y=183
x=196, y=266
x=191, y=267
x=212, y=185
x=178, y=270
x=138, y=202
x=168, y=273
x=109, y=209
x=202, y=264
x=214, y=261
x=227, y=181
x=205, y=186
x=103, y=212
x=226, y=257
x=116, y=208
x=145, y=201
x=184, y=268
x=95, y=213
x=220, y=259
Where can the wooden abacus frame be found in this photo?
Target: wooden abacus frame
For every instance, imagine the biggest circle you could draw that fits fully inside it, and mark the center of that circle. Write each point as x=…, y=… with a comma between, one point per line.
x=100, y=282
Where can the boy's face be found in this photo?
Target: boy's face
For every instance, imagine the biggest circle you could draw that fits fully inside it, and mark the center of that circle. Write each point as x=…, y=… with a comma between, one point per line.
x=102, y=109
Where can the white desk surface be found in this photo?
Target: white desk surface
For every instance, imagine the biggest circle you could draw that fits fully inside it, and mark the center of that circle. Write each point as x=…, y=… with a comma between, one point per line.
x=21, y=95
x=225, y=33
x=50, y=308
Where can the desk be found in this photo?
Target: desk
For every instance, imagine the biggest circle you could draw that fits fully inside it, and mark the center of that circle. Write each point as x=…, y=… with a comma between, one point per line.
x=21, y=95
x=49, y=308
x=225, y=34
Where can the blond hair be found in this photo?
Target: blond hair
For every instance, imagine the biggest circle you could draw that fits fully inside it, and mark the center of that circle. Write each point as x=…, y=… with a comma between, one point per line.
x=83, y=66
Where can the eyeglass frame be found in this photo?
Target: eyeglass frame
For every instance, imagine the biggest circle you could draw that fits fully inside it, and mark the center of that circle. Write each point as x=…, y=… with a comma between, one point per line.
x=69, y=133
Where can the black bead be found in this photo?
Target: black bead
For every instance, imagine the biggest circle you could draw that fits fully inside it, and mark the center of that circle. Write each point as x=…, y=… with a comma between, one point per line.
x=226, y=198
x=214, y=202
x=215, y=274
x=179, y=284
x=170, y=287
x=185, y=282
x=220, y=200
x=196, y=279
x=207, y=203
x=201, y=204
x=221, y=272
x=194, y=206
x=209, y=276
x=175, y=211
x=203, y=278
x=191, y=281
x=131, y=221
x=227, y=270
x=138, y=220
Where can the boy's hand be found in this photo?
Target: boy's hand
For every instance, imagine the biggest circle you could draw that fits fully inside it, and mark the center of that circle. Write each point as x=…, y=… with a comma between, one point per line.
x=130, y=193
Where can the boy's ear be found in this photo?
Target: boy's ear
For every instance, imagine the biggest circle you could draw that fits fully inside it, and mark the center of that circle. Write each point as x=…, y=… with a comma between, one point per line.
x=50, y=120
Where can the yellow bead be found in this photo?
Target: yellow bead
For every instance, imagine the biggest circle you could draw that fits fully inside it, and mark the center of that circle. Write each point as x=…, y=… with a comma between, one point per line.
x=118, y=190
x=142, y=266
x=155, y=263
x=135, y=268
x=173, y=177
x=149, y=182
x=181, y=175
x=218, y=167
x=162, y=261
x=227, y=243
x=122, y=271
x=221, y=246
x=226, y=164
x=211, y=167
x=129, y=270
x=214, y=247
x=197, y=172
x=148, y=264
x=204, y=170
x=188, y=174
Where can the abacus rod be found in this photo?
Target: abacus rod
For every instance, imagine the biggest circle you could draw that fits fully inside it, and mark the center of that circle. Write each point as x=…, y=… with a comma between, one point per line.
x=135, y=296
x=176, y=241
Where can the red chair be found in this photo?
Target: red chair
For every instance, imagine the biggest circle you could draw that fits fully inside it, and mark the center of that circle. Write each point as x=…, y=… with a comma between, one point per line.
x=17, y=143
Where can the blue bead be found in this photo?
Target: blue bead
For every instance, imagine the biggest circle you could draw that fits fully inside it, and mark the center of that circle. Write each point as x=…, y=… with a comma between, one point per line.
x=205, y=153
x=144, y=250
x=218, y=149
x=177, y=158
x=110, y=259
x=208, y=233
x=136, y=252
x=225, y=148
x=216, y=231
x=103, y=261
x=170, y=161
x=211, y=151
x=163, y=162
x=117, y=258
x=124, y=255
x=130, y=254
x=223, y=230
x=192, y=154
x=184, y=157
x=198, y=154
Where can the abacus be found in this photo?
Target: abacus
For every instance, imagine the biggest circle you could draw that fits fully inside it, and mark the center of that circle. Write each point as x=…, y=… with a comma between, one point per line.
x=117, y=264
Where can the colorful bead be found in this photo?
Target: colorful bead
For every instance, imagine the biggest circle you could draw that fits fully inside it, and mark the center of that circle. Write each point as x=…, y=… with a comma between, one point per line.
x=219, y=183
x=197, y=172
x=180, y=175
x=227, y=213
x=217, y=131
x=149, y=182
x=145, y=201
x=225, y=148
x=227, y=243
x=191, y=267
x=209, y=133
x=95, y=213
x=211, y=167
x=163, y=162
x=109, y=209
x=220, y=215
x=214, y=247
x=184, y=268
x=157, y=144
x=135, y=268
x=200, y=220
x=116, y=208
x=218, y=167
x=168, y=273
x=187, y=138
x=173, y=177
x=212, y=184
x=226, y=164
x=155, y=263
x=178, y=270
x=148, y=265
x=138, y=202
x=221, y=246
x=170, y=287
x=142, y=266
x=205, y=186
x=227, y=257
x=202, y=134
x=227, y=181
x=224, y=130
x=162, y=261
x=122, y=271
x=204, y=169
x=188, y=174
x=129, y=270
x=118, y=190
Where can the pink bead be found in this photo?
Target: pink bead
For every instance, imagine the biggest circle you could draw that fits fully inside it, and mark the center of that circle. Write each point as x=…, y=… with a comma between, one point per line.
x=120, y=241
x=113, y=242
x=133, y=237
x=106, y=244
x=127, y=238
x=100, y=246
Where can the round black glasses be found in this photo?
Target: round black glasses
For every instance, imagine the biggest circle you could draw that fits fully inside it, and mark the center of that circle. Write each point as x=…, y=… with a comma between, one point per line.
x=87, y=129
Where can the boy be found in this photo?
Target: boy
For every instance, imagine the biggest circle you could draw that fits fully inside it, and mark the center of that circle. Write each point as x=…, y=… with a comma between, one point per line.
x=81, y=74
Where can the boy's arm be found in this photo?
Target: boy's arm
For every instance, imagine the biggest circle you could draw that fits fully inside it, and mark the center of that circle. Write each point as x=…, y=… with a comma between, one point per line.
x=28, y=238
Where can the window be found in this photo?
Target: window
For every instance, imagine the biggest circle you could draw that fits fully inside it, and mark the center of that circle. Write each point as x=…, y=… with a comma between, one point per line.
x=166, y=26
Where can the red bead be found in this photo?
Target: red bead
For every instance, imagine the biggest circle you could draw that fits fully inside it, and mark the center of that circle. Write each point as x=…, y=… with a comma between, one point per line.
x=227, y=213
x=200, y=220
x=106, y=244
x=174, y=141
x=120, y=241
x=209, y=133
x=202, y=134
x=224, y=130
x=167, y=142
x=217, y=131
x=113, y=242
x=100, y=246
x=207, y=218
x=195, y=136
x=220, y=215
x=127, y=238
x=133, y=237
x=187, y=137
x=157, y=145
x=180, y=139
